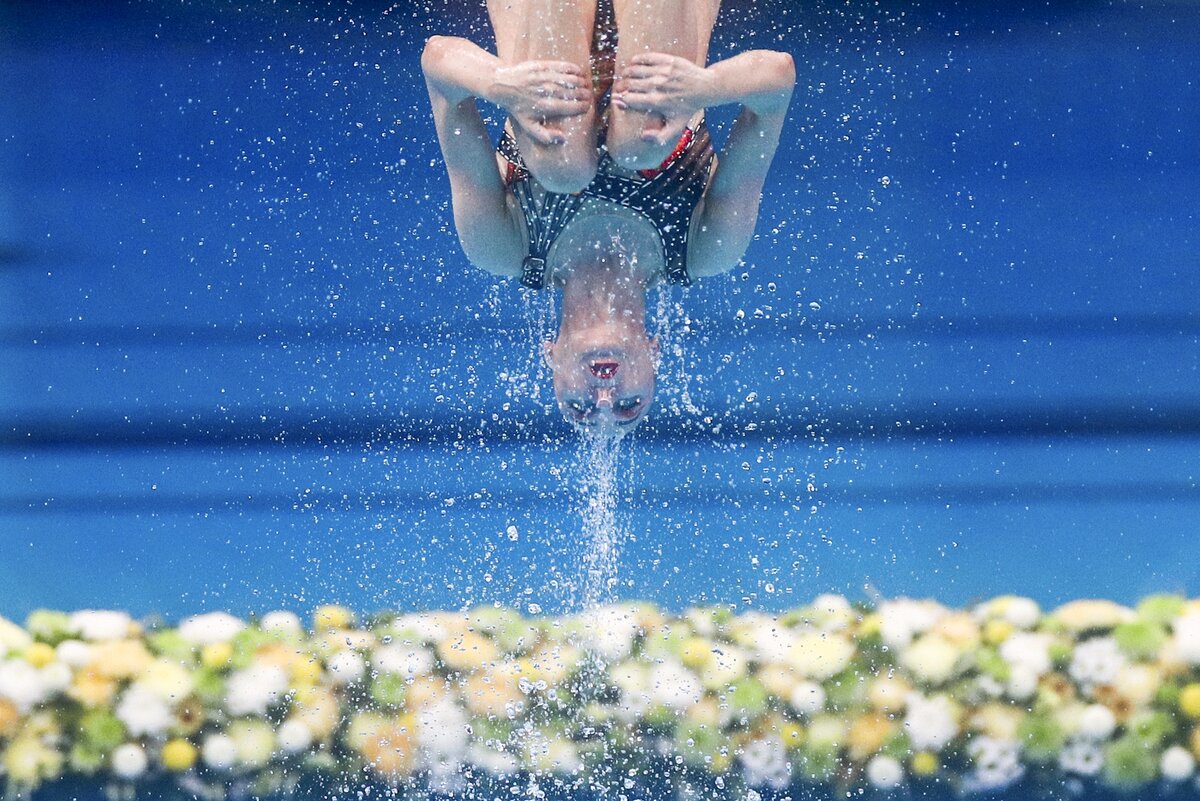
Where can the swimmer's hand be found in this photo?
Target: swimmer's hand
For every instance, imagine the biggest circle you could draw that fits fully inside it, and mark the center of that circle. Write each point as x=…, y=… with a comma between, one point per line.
x=657, y=83
x=538, y=94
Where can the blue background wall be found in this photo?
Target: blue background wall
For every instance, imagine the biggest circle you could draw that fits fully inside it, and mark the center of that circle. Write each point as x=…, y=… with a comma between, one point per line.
x=244, y=364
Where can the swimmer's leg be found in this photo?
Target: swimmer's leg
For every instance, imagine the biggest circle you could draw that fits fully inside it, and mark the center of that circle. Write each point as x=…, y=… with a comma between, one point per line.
x=551, y=30
x=641, y=140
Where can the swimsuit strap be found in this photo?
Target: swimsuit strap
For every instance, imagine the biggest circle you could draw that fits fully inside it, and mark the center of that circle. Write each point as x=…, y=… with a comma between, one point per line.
x=544, y=221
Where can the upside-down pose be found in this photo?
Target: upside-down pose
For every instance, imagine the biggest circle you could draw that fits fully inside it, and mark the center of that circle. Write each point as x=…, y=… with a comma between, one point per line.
x=605, y=180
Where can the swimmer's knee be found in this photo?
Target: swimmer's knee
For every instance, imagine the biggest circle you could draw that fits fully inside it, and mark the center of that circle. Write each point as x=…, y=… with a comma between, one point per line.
x=639, y=154
x=563, y=172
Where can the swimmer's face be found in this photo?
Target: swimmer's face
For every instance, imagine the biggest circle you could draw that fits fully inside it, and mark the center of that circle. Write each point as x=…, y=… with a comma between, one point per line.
x=604, y=383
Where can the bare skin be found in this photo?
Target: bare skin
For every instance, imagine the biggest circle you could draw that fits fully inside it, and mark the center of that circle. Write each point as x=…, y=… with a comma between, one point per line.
x=603, y=359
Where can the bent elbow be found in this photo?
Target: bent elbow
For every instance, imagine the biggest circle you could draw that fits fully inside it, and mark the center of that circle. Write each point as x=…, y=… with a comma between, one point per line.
x=783, y=66
x=433, y=53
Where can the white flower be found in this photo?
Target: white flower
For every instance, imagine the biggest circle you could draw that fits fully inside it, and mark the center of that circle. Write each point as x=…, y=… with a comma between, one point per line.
x=674, y=686
x=932, y=658
x=255, y=689
x=75, y=653
x=219, y=751
x=884, y=772
x=1083, y=758
x=832, y=611
x=442, y=734
x=819, y=654
x=408, y=661
x=995, y=763
x=210, y=629
x=294, y=736
x=1187, y=637
x=281, y=622
x=1026, y=650
x=427, y=627
x=1177, y=764
x=56, y=677
x=12, y=637
x=609, y=631
x=346, y=667
x=902, y=619
x=765, y=763
x=930, y=722
x=1022, y=683
x=21, y=683
x=808, y=697
x=1097, y=723
x=144, y=712
x=1023, y=613
x=1096, y=661
x=101, y=624
x=771, y=643
x=497, y=763
x=129, y=761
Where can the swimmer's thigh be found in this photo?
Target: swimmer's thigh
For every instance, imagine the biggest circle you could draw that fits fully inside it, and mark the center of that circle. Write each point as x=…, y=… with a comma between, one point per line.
x=675, y=27
x=551, y=30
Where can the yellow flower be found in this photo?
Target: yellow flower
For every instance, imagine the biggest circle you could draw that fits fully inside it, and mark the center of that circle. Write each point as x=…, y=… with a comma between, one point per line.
x=92, y=688
x=779, y=680
x=386, y=743
x=871, y=624
x=1082, y=615
x=169, y=680
x=867, y=735
x=959, y=629
x=40, y=654
x=997, y=631
x=306, y=671
x=1189, y=701
x=217, y=655
x=317, y=708
x=28, y=761
x=996, y=720
x=178, y=755
x=792, y=734
x=697, y=653
x=888, y=693
x=332, y=616
x=925, y=763
x=9, y=718
x=468, y=651
x=721, y=762
x=932, y=658
x=1194, y=742
x=489, y=692
x=120, y=659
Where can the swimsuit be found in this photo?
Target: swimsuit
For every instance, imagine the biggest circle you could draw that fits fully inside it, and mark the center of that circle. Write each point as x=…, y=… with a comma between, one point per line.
x=665, y=197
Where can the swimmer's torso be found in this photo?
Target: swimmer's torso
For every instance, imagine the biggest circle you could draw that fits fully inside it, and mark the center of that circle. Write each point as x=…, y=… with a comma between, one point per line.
x=649, y=212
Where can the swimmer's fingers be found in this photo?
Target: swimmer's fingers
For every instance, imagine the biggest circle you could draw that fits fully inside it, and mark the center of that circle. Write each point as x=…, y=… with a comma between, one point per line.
x=555, y=107
x=663, y=132
x=645, y=101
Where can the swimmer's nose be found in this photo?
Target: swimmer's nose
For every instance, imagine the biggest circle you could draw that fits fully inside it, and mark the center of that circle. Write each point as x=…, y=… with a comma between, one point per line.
x=604, y=397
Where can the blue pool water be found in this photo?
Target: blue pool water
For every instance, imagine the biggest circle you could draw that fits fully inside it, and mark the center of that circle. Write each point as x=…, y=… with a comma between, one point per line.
x=244, y=364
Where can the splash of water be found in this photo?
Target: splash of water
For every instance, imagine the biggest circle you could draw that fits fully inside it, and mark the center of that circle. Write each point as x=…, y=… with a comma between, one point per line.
x=599, y=478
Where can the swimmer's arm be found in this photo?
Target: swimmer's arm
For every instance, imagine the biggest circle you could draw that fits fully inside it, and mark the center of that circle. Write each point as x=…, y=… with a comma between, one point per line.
x=455, y=74
x=762, y=82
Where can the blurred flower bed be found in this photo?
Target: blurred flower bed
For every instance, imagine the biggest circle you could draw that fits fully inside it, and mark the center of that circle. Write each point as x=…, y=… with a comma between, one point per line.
x=1087, y=697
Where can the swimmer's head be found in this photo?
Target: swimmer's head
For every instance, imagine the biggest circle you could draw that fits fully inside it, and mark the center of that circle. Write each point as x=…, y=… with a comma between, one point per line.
x=604, y=379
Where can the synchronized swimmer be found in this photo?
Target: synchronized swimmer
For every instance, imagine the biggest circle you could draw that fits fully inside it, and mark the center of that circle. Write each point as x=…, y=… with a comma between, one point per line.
x=605, y=143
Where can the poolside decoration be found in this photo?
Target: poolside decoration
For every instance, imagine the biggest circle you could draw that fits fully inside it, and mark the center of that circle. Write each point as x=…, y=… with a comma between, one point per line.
x=906, y=692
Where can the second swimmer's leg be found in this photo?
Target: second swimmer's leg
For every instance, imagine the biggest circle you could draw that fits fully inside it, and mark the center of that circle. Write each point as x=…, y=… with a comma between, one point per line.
x=551, y=30
x=675, y=27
